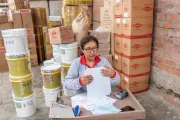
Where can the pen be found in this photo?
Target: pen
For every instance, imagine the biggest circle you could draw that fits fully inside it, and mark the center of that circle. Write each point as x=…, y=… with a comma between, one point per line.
x=76, y=110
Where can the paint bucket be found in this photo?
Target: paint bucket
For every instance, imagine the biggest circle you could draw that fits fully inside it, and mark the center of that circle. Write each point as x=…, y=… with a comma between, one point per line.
x=51, y=76
x=69, y=52
x=25, y=107
x=22, y=86
x=51, y=95
x=19, y=64
x=48, y=62
x=15, y=40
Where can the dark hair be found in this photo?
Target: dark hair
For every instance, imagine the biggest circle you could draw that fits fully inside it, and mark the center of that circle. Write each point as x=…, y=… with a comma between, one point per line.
x=88, y=39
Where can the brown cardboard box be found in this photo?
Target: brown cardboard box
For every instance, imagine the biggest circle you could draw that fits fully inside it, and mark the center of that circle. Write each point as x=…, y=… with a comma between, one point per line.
x=62, y=34
x=138, y=8
x=49, y=55
x=17, y=21
x=46, y=38
x=112, y=44
x=31, y=40
x=135, y=84
x=107, y=18
x=34, y=59
x=16, y=4
x=27, y=18
x=117, y=63
x=30, y=31
x=136, y=67
x=102, y=37
x=7, y=25
x=3, y=61
x=118, y=8
x=118, y=24
x=109, y=3
x=32, y=50
x=118, y=44
x=48, y=48
x=40, y=53
x=137, y=27
x=96, y=14
x=136, y=47
x=1, y=41
x=3, y=18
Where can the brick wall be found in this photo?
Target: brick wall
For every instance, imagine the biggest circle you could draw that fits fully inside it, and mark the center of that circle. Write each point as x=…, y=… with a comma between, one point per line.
x=166, y=45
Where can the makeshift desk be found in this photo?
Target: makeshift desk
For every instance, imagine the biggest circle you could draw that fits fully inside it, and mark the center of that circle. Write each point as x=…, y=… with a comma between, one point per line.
x=138, y=113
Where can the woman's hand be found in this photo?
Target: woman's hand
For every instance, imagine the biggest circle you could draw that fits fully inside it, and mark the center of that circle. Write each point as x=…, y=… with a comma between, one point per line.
x=108, y=71
x=87, y=79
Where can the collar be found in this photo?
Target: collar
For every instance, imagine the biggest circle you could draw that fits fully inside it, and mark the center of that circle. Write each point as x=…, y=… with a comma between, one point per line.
x=83, y=61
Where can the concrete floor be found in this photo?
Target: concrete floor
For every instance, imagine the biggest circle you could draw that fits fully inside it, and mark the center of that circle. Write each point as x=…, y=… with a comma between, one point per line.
x=153, y=101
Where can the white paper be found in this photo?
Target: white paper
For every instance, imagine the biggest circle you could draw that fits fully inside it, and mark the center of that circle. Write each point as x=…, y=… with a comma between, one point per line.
x=100, y=85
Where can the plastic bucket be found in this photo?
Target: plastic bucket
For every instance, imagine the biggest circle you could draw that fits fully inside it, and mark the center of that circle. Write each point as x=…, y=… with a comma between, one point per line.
x=25, y=107
x=51, y=95
x=69, y=52
x=19, y=65
x=64, y=71
x=22, y=86
x=48, y=62
x=51, y=76
x=15, y=40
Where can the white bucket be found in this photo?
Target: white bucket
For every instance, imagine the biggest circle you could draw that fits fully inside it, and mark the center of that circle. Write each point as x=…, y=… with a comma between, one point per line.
x=25, y=107
x=15, y=40
x=67, y=92
x=51, y=95
x=48, y=62
x=69, y=52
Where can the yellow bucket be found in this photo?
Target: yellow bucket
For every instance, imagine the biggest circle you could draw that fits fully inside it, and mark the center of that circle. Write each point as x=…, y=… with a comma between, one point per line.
x=64, y=71
x=19, y=65
x=22, y=86
x=51, y=76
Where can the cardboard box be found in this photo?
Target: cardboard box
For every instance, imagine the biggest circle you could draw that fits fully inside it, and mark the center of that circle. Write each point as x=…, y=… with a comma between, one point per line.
x=135, y=84
x=32, y=50
x=118, y=44
x=34, y=59
x=1, y=41
x=119, y=9
x=109, y=3
x=138, y=8
x=49, y=55
x=40, y=53
x=112, y=44
x=17, y=21
x=3, y=18
x=96, y=14
x=48, y=48
x=30, y=31
x=136, y=67
x=107, y=18
x=3, y=61
x=62, y=34
x=102, y=37
x=46, y=38
x=137, y=27
x=136, y=47
x=31, y=40
x=26, y=17
x=7, y=25
x=16, y=4
x=118, y=26
x=118, y=63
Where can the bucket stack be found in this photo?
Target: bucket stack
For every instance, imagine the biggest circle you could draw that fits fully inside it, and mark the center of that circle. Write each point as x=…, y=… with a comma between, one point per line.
x=18, y=58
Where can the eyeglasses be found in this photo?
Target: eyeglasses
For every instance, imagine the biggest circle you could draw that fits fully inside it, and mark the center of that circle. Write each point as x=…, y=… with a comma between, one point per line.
x=88, y=50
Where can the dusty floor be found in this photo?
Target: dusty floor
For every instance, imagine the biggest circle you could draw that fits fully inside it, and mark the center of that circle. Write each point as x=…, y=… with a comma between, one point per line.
x=152, y=101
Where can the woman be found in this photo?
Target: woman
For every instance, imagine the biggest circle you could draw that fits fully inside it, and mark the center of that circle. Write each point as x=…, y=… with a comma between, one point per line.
x=75, y=79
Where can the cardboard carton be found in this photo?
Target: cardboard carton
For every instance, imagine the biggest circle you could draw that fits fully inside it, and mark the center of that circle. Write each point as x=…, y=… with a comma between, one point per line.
x=17, y=21
x=62, y=34
x=136, y=67
x=109, y=3
x=3, y=61
x=137, y=27
x=7, y=25
x=48, y=48
x=107, y=18
x=16, y=4
x=31, y=40
x=34, y=59
x=3, y=18
x=49, y=55
x=32, y=50
x=102, y=37
x=135, y=84
x=26, y=17
x=112, y=44
x=117, y=63
x=119, y=9
x=138, y=8
x=118, y=26
x=1, y=41
x=136, y=47
x=118, y=44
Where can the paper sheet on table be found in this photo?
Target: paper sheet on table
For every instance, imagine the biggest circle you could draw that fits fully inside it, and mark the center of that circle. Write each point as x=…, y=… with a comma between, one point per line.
x=80, y=100
x=100, y=85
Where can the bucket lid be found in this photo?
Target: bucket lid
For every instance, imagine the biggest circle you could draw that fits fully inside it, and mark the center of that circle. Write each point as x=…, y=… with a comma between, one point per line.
x=22, y=78
x=52, y=90
x=50, y=68
x=55, y=18
x=70, y=45
x=13, y=31
x=48, y=62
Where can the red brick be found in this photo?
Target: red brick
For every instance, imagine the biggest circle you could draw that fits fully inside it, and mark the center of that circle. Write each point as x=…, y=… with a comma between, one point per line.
x=158, y=10
x=168, y=25
x=98, y=3
x=168, y=40
x=96, y=14
x=158, y=39
x=169, y=10
x=164, y=67
x=173, y=18
x=158, y=24
x=166, y=54
x=154, y=63
x=155, y=51
x=176, y=57
x=178, y=26
x=174, y=33
x=178, y=10
x=170, y=48
x=161, y=17
x=175, y=2
x=177, y=42
x=178, y=66
x=178, y=18
x=176, y=72
x=159, y=46
x=159, y=31
x=170, y=63
x=159, y=59
x=164, y=2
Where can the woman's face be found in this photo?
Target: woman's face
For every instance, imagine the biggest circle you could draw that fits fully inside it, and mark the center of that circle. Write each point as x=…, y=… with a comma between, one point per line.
x=90, y=50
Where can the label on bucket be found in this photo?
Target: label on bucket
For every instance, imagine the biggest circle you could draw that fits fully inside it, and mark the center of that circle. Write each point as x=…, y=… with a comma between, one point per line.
x=48, y=78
